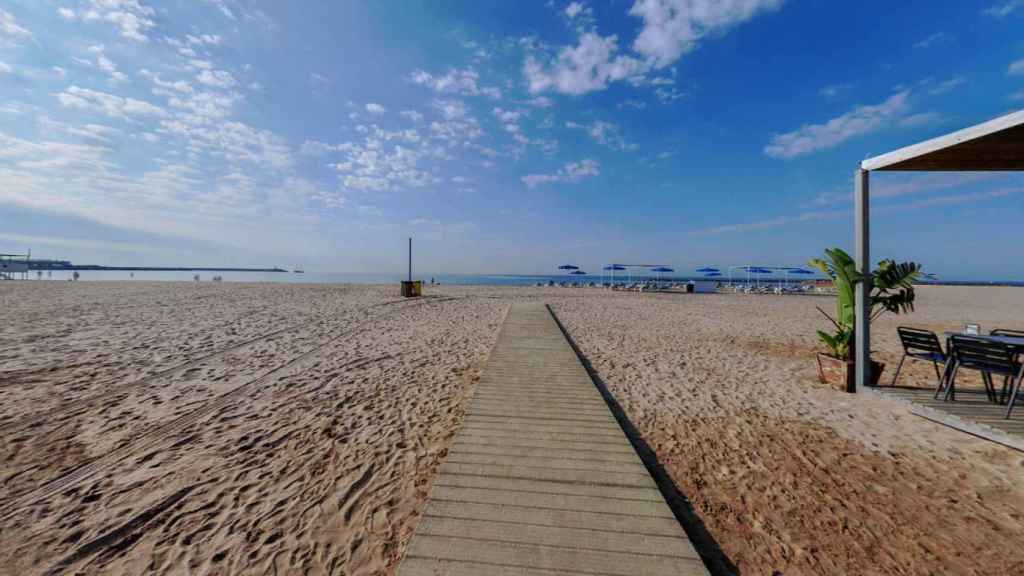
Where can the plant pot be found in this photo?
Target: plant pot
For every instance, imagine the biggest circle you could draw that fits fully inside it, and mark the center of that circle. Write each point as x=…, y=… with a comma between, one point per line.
x=839, y=374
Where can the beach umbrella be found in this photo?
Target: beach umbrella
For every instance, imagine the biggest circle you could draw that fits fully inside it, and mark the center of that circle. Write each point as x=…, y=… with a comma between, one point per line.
x=568, y=267
x=755, y=270
x=800, y=271
x=712, y=274
x=660, y=270
x=708, y=269
x=612, y=268
x=578, y=273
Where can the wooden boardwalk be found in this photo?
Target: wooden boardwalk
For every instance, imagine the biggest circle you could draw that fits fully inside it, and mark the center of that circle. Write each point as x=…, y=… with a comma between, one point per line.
x=971, y=412
x=541, y=480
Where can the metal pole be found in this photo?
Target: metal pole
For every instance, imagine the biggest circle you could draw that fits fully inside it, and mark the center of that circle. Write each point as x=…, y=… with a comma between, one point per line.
x=862, y=291
x=410, y=259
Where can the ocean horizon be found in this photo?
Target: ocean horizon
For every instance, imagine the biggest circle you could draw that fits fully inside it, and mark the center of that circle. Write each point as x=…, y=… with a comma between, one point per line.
x=440, y=278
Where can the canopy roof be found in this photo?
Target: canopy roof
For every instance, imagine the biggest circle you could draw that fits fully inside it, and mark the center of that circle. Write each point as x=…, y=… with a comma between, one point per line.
x=994, y=145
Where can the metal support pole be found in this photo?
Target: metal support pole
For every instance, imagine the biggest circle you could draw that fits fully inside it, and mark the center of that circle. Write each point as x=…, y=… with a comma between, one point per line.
x=862, y=291
x=410, y=259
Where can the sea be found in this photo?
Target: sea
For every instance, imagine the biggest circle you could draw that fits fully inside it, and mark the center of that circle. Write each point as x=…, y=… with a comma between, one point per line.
x=443, y=279
x=341, y=278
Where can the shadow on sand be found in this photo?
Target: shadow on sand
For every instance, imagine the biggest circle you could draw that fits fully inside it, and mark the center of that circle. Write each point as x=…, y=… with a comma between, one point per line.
x=710, y=552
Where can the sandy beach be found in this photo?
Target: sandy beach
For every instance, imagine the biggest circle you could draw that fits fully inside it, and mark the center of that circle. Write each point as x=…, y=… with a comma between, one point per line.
x=174, y=428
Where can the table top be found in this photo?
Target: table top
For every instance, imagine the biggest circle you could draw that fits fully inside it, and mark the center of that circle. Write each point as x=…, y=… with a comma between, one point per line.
x=1008, y=340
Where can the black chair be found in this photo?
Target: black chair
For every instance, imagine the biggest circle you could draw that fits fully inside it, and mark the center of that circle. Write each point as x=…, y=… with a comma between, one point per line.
x=1015, y=334
x=919, y=345
x=989, y=358
x=1007, y=332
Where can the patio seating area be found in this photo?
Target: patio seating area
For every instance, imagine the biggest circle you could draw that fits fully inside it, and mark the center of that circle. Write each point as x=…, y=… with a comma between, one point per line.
x=987, y=401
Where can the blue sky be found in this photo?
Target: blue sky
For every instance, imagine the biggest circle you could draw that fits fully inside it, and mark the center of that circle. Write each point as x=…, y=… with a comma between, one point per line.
x=505, y=136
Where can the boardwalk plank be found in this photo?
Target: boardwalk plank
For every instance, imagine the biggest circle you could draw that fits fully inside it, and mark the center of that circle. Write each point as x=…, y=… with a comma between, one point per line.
x=541, y=480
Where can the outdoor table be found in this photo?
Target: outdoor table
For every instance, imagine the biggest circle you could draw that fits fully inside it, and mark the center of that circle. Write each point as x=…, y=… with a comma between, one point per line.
x=1014, y=342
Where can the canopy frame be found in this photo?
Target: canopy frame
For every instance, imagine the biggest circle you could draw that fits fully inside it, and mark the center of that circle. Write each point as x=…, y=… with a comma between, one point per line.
x=996, y=145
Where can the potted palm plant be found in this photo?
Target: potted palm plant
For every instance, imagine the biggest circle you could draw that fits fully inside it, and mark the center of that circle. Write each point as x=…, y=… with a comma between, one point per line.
x=892, y=290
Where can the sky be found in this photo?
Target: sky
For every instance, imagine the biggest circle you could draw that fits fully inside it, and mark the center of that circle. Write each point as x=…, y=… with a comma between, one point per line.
x=505, y=137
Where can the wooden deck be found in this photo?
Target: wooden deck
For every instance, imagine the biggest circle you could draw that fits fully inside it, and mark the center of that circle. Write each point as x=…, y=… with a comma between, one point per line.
x=541, y=479
x=971, y=412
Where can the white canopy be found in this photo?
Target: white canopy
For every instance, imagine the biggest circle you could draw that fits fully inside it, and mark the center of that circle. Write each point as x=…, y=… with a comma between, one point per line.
x=996, y=145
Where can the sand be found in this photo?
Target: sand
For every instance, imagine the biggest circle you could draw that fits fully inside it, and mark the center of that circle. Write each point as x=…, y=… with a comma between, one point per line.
x=176, y=428
x=787, y=475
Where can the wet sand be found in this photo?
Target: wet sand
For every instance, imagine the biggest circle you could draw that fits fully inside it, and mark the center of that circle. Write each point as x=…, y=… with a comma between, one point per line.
x=256, y=429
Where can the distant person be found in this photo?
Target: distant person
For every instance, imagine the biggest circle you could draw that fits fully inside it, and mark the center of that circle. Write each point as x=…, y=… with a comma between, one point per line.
x=74, y=276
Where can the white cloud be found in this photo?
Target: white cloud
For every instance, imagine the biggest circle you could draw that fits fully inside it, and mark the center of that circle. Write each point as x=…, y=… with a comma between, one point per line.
x=224, y=9
x=674, y=27
x=464, y=82
x=571, y=172
x=588, y=66
x=101, y=63
x=96, y=132
x=316, y=148
x=539, y=102
x=60, y=72
x=132, y=18
x=955, y=199
x=384, y=160
x=374, y=108
x=928, y=183
x=604, y=133
x=1016, y=67
x=947, y=85
x=10, y=31
x=1004, y=9
x=207, y=39
x=411, y=115
x=771, y=223
x=921, y=119
x=216, y=78
x=573, y=9
x=318, y=83
x=107, y=104
x=932, y=40
x=859, y=121
x=5, y=68
x=507, y=115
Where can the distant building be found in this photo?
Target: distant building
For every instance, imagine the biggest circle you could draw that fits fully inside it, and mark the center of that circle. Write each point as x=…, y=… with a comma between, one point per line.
x=13, y=264
x=50, y=264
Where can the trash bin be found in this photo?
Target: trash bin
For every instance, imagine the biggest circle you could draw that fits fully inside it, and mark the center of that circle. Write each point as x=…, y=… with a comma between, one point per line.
x=412, y=289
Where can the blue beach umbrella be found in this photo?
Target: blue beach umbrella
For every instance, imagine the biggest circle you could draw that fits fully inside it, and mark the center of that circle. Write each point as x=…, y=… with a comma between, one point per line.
x=578, y=273
x=712, y=274
x=755, y=270
x=661, y=269
x=612, y=268
x=708, y=269
x=568, y=267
